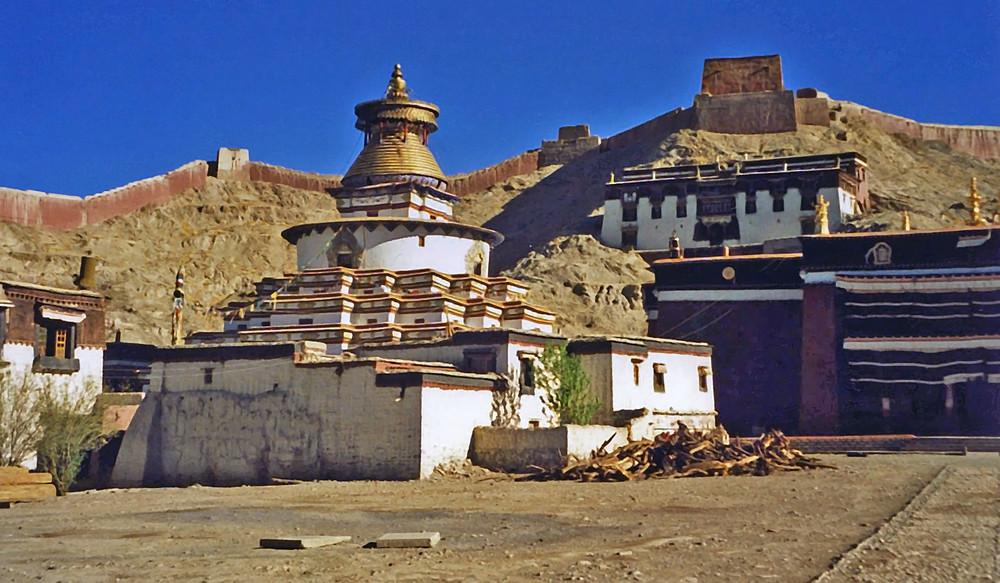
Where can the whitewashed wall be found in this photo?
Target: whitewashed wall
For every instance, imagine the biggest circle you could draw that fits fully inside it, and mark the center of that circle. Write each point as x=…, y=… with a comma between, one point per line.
x=398, y=250
x=755, y=228
x=448, y=417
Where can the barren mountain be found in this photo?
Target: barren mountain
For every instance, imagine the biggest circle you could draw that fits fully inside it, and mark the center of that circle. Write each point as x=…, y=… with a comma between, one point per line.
x=226, y=234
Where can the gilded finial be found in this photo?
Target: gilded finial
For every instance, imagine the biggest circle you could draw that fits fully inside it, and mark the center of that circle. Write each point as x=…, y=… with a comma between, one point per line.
x=975, y=212
x=397, y=85
x=612, y=179
x=675, y=249
x=906, y=221
x=822, y=216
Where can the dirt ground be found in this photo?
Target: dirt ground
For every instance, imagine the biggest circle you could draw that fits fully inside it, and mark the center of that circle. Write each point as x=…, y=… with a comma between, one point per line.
x=785, y=527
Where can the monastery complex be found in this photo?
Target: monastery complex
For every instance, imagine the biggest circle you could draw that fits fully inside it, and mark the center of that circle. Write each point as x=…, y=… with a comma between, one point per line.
x=393, y=348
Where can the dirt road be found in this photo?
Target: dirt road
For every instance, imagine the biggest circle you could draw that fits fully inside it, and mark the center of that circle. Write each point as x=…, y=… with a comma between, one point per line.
x=786, y=527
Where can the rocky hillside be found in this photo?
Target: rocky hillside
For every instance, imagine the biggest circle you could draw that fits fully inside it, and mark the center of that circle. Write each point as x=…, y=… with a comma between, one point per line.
x=226, y=234
x=544, y=212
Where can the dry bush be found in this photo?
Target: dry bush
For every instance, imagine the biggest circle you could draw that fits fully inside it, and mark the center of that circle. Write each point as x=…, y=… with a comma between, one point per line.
x=19, y=410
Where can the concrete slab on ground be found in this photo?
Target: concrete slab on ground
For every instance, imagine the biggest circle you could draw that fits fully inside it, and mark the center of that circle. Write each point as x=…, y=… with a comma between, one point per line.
x=302, y=542
x=408, y=540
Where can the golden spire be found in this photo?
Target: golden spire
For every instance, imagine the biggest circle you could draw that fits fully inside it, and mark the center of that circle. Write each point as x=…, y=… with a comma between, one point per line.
x=397, y=86
x=975, y=212
x=822, y=216
x=906, y=221
x=612, y=179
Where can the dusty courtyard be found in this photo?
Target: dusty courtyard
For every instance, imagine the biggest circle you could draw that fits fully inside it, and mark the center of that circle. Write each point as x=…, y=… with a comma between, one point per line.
x=785, y=527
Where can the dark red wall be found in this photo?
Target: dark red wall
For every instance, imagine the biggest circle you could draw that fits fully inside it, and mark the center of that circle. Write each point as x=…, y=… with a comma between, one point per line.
x=756, y=357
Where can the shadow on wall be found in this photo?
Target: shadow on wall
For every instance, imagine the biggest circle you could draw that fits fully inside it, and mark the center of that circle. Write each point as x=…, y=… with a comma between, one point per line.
x=561, y=203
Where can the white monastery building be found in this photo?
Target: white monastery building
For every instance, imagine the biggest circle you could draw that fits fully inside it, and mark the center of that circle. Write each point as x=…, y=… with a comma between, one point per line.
x=735, y=203
x=388, y=346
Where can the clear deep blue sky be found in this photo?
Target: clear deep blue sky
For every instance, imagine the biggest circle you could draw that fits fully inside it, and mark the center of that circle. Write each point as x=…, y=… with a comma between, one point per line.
x=95, y=95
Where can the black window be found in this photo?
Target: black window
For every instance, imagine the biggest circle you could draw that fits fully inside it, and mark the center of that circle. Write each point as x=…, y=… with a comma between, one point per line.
x=55, y=339
x=751, y=206
x=527, y=379
x=682, y=207
x=629, y=214
x=808, y=227
x=629, y=240
x=808, y=201
x=208, y=376
x=656, y=211
x=778, y=204
x=659, y=378
x=479, y=361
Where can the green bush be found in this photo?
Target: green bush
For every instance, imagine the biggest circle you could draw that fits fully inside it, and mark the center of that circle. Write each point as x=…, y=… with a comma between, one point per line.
x=68, y=433
x=566, y=386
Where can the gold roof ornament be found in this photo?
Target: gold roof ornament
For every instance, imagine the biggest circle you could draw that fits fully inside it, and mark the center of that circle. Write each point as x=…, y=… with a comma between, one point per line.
x=675, y=250
x=906, y=221
x=975, y=210
x=612, y=179
x=397, y=85
x=822, y=216
x=396, y=132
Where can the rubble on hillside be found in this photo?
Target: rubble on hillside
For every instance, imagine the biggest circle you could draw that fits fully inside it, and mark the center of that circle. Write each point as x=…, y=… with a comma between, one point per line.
x=594, y=289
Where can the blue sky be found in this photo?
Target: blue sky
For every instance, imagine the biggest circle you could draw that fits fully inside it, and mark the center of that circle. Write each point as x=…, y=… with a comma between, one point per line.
x=96, y=95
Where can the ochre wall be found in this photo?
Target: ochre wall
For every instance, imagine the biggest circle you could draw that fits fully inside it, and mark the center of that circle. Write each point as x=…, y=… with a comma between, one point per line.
x=982, y=141
x=463, y=184
x=61, y=212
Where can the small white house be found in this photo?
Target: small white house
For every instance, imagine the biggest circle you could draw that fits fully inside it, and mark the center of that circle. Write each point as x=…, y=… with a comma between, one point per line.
x=52, y=340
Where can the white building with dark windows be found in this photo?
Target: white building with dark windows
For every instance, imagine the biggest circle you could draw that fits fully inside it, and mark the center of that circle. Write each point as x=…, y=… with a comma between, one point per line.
x=735, y=203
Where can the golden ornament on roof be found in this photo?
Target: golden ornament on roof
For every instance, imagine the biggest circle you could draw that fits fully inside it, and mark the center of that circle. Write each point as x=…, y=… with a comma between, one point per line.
x=397, y=85
x=822, y=216
x=975, y=211
x=906, y=221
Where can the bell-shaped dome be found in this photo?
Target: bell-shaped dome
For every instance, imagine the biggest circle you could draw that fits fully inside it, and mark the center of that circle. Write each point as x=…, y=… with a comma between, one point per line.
x=396, y=130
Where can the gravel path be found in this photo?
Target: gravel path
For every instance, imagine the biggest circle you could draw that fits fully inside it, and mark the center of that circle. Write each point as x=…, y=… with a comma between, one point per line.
x=949, y=532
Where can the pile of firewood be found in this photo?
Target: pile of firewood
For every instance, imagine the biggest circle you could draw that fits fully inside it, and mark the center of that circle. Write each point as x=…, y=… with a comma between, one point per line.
x=684, y=453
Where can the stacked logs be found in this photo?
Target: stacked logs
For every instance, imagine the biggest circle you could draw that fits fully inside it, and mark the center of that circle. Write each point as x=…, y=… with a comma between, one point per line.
x=681, y=454
x=19, y=485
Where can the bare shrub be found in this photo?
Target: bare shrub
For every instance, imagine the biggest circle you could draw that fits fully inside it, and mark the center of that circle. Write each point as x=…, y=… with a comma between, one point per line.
x=19, y=409
x=506, y=410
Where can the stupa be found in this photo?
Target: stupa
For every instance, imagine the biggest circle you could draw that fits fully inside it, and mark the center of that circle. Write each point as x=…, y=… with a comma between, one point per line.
x=396, y=266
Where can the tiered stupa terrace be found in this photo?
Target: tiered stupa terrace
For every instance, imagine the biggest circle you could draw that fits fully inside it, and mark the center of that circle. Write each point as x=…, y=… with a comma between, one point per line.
x=395, y=267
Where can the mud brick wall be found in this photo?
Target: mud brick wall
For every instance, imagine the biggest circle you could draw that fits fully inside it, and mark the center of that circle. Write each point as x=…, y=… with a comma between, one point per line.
x=982, y=141
x=463, y=184
x=294, y=178
x=742, y=75
x=813, y=111
x=746, y=113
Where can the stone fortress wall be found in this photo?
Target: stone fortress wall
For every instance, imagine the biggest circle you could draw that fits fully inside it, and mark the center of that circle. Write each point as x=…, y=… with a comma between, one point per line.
x=743, y=95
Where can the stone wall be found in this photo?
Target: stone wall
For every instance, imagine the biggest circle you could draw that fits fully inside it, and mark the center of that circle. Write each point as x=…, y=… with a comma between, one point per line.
x=982, y=141
x=742, y=75
x=58, y=211
x=746, y=113
x=572, y=142
x=62, y=212
x=463, y=184
x=514, y=449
